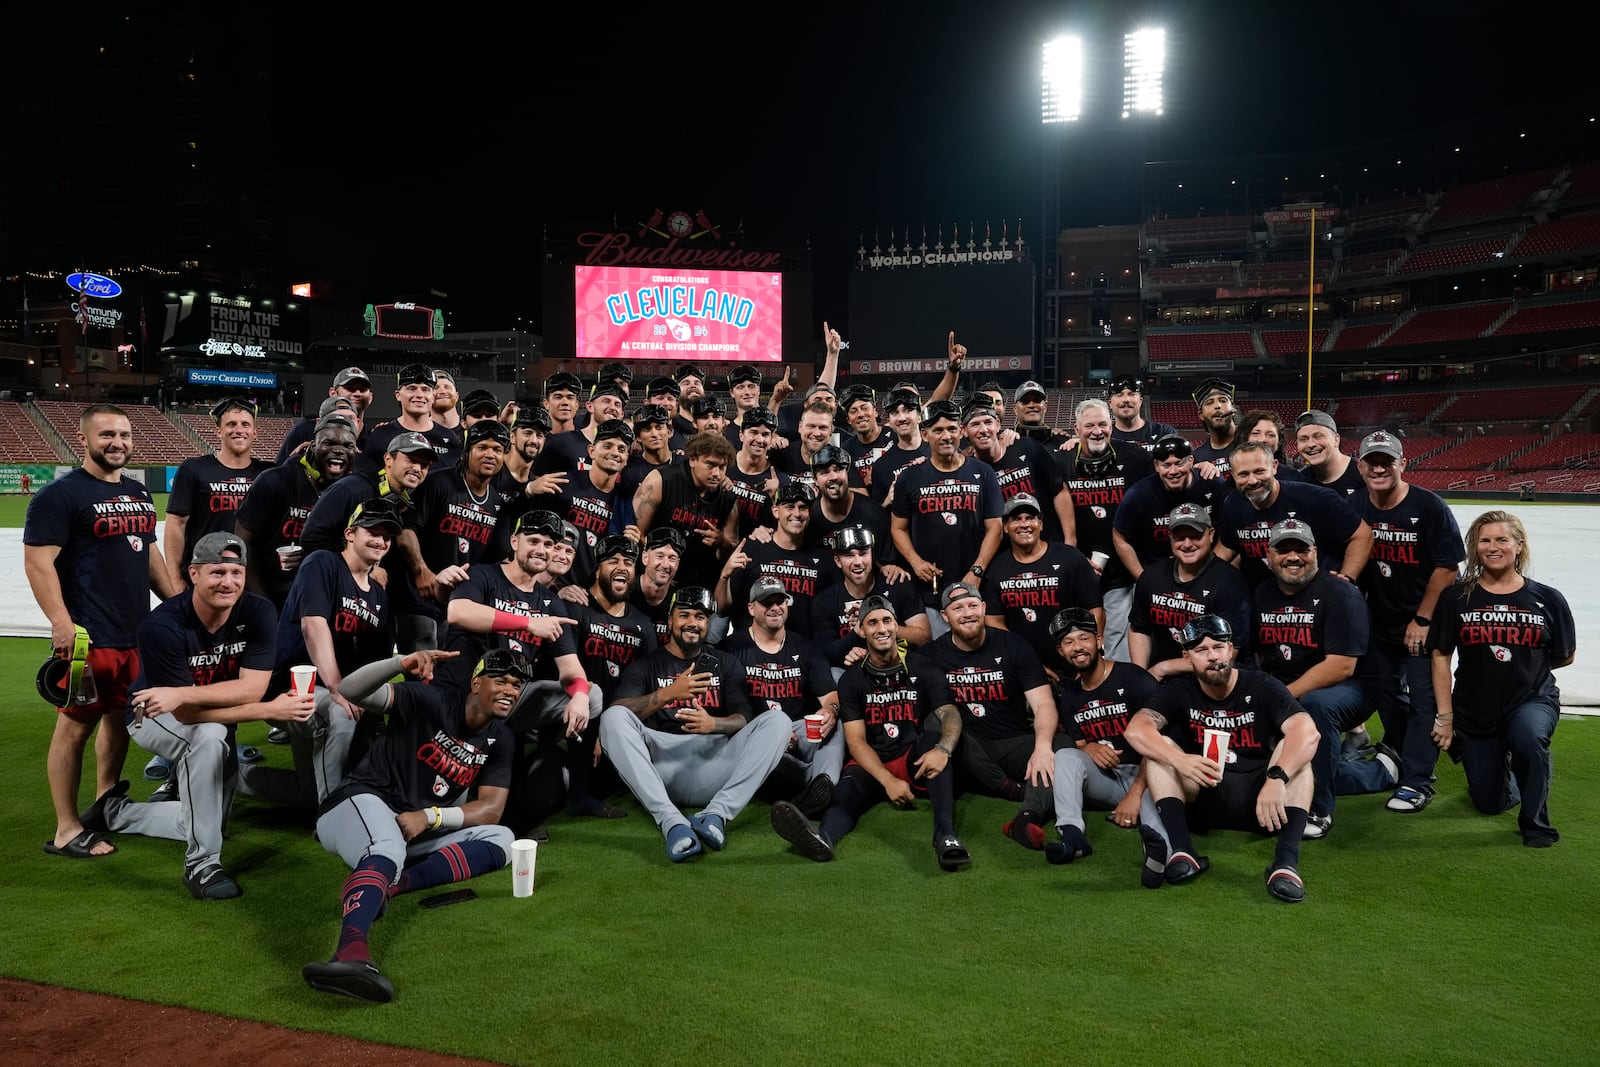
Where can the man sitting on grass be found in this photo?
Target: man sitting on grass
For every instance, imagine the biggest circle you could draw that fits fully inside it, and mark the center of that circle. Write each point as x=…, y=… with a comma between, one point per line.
x=403, y=820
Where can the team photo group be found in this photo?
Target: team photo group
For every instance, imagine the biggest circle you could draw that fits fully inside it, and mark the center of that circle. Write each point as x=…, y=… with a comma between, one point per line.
x=638, y=599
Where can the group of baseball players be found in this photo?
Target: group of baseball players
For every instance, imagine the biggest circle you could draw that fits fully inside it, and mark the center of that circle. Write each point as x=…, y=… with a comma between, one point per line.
x=829, y=602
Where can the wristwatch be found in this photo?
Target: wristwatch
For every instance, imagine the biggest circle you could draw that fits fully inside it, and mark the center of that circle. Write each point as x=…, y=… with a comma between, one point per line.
x=976, y=570
x=1422, y=620
x=1279, y=773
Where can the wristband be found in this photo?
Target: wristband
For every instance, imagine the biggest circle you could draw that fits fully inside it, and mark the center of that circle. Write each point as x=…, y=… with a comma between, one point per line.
x=434, y=818
x=507, y=623
x=451, y=818
x=1278, y=773
x=578, y=687
x=1422, y=620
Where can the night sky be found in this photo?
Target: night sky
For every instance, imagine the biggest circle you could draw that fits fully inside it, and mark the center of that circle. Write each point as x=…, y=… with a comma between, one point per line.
x=834, y=122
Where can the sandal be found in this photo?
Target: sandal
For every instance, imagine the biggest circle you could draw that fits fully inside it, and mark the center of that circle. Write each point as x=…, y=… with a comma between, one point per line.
x=80, y=847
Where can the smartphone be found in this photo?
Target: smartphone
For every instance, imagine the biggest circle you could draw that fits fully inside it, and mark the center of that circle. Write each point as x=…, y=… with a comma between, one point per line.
x=706, y=664
x=439, y=900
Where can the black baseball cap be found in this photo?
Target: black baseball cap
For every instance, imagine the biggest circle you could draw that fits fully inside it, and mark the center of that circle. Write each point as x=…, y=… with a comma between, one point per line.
x=480, y=400
x=661, y=385
x=1316, y=418
x=335, y=403
x=411, y=443
x=745, y=373
x=1027, y=389
x=237, y=403
x=831, y=456
x=487, y=430
x=216, y=548
x=569, y=534
x=540, y=522
x=343, y=379
x=414, y=374
x=957, y=591
x=563, y=380
x=1069, y=619
x=694, y=597
x=499, y=662
x=1197, y=630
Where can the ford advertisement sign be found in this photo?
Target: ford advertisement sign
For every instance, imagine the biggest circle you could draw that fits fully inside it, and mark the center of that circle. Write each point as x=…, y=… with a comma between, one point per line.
x=96, y=285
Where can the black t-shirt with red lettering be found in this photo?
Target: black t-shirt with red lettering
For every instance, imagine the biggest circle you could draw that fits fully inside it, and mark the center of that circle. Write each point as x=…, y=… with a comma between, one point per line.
x=608, y=643
x=1097, y=485
x=487, y=584
x=728, y=695
x=1163, y=605
x=1026, y=467
x=1409, y=542
x=989, y=684
x=1296, y=631
x=946, y=512
x=834, y=611
x=427, y=756
x=1141, y=518
x=891, y=704
x=209, y=493
x=1253, y=713
x=803, y=572
x=685, y=507
x=1505, y=644
x=863, y=454
x=1100, y=715
x=360, y=619
x=791, y=680
x=887, y=468
x=275, y=511
x=453, y=528
x=1028, y=595
x=176, y=648
x=105, y=531
x=1243, y=527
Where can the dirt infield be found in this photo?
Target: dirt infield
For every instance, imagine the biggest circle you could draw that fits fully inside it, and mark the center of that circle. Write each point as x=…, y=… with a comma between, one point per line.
x=47, y=1024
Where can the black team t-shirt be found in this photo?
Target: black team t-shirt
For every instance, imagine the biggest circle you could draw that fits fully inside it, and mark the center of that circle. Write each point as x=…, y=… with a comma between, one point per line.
x=1409, y=541
x=488, y=585
x=1162, y=605
x=989, y=684
x=1141, y=518
x=889, y=466
x=835, y=607
x=359, y=619
x=1505, y=645
x=1028, y=595
x=105, y=531
x=1244, y=528
x=728, y=695
x=1253, y=713
x=1025, y=467
x=750, y=494
x=209, y=494
x=176, y=648
x=1296, y=631
x=608, y=644
x=1097, y=485
x=686, y=508
x=427, y=756
x=863, y=454
x=892, y=705
x=802, y=571
x=453, y=528
x=946, y=512
x=1100, y=715
x=790, y=680
x=275, y=511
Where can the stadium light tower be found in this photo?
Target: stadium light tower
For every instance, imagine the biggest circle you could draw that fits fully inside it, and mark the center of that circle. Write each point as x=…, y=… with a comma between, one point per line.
x=1144, y=62
x=1063, y=79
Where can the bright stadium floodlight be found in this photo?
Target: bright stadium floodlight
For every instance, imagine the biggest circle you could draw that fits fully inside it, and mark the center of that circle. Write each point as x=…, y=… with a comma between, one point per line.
x=1063, y=79
x=1144, y=61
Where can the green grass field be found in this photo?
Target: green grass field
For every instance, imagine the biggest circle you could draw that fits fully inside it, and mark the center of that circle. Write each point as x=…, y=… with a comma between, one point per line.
x=1434, y=937
x=1427, y=938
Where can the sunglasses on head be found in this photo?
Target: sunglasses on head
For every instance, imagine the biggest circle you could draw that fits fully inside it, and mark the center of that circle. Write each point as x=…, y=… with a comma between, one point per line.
x=665, y=535
x=222, y=407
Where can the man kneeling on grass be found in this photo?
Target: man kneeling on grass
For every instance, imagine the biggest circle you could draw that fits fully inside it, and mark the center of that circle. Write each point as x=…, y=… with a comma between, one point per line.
x=401, y=819
x=1245, y=721
x=901, y=731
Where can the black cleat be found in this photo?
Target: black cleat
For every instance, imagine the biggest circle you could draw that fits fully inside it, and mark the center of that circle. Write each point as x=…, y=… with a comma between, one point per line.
x=359, y=979
x=814, y=799
x=799, y=831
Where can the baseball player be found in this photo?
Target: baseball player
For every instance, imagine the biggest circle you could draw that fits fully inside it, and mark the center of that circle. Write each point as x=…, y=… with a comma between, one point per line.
x=205, y=659
x=680, y=730
x=423, y=808
x=90, y=553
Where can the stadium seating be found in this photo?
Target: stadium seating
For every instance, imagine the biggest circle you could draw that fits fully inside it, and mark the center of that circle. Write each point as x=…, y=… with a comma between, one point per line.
x=1198, y=344
x=1284, y=273
x=1361, y=334
x=1552, y=318
x=1291, y=342
x=1212, y=230
x=20, y=440
x=1548, y=402
x=1457, y=323
x=1573, y=234
x=1498, y=196
x=1454, y=256
x=1203, y=274
x=1380, y=410
x=1565, y=451
x=1583, y=183
x=1371, y=264
x=1478, y=453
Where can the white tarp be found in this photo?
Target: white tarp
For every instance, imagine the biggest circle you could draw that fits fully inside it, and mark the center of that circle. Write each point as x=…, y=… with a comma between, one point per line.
x=1566, y=554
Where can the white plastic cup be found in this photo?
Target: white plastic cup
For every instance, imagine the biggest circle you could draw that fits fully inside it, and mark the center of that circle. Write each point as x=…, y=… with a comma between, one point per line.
x=1099, y=559
x=814, y=723
x=1214, y=747
x=524, y=855
x=302, y=680
x=289, y=557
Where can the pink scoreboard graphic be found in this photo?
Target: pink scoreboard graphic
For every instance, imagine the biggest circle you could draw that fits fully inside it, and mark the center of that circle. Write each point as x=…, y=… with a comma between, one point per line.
x=665, y=313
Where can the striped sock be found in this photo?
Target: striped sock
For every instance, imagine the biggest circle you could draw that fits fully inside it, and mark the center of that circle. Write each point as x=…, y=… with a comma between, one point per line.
x=365, y=893
x=455, y=862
